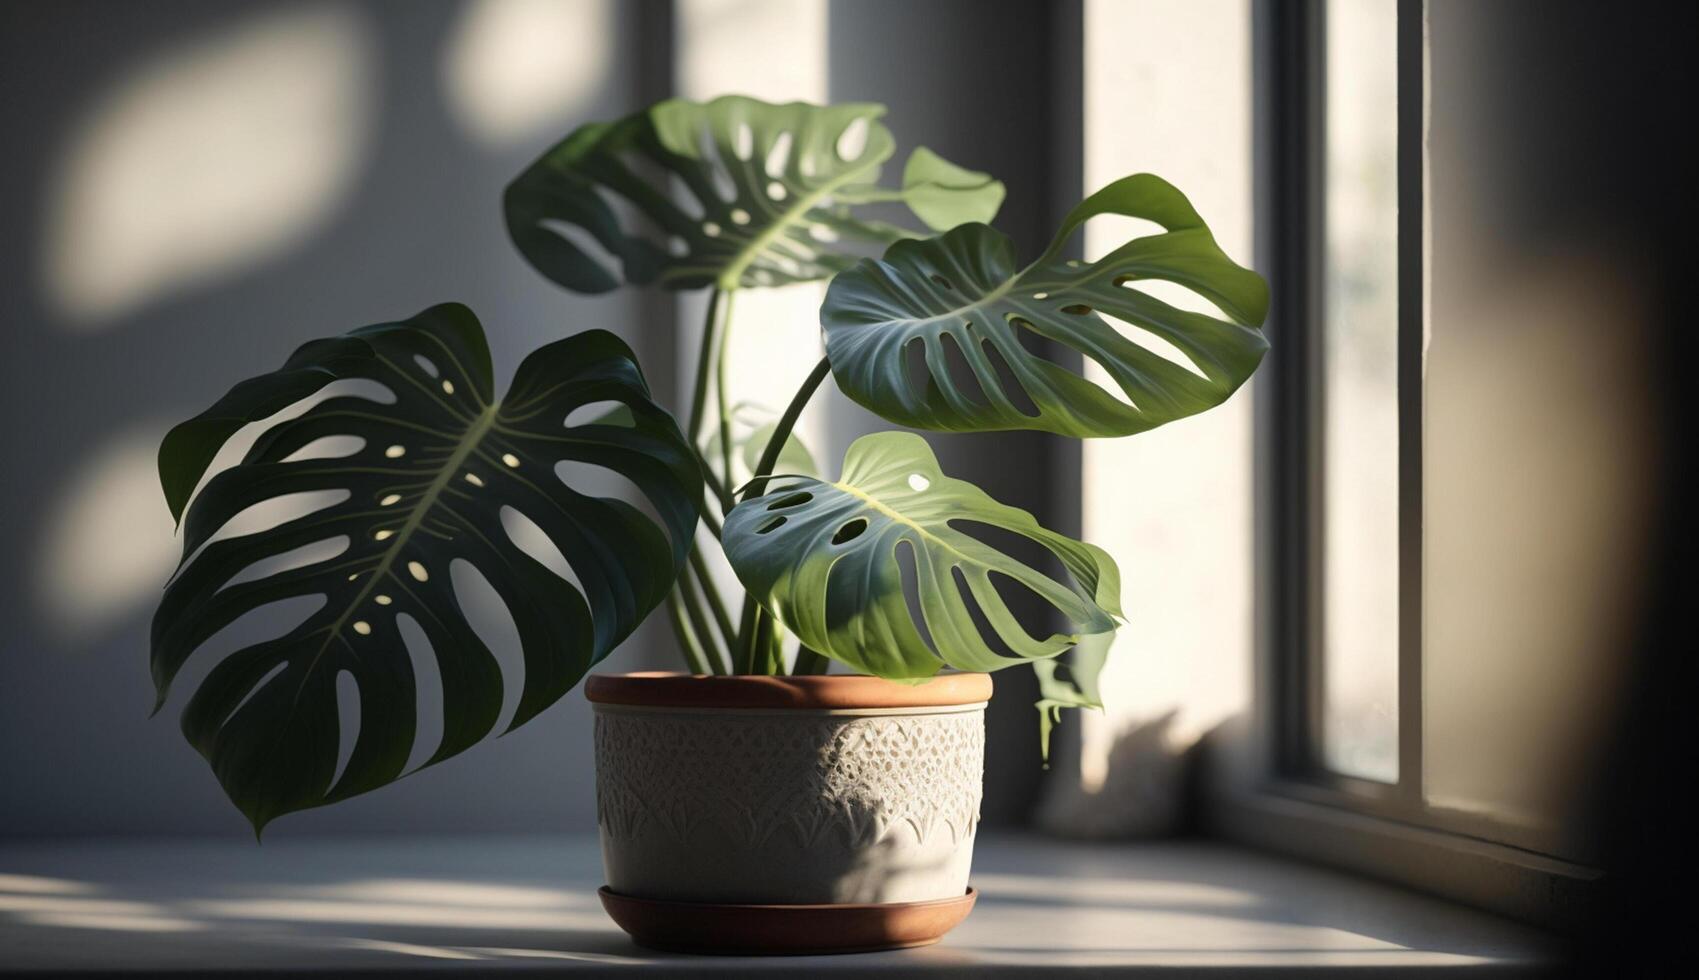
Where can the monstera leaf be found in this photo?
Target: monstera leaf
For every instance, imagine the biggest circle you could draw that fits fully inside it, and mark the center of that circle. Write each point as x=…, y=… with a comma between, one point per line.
x=437, y=466
x=960, y=295
x=828, y=560
x=734, y=192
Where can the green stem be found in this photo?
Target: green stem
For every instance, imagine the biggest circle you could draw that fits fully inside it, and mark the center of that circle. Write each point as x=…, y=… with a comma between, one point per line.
x=810, y=662
x=704, y=359
x=699, y=623
x=720, y=393
x=681, y=630
x=715, y=605
x=782, y=431
x=721, y=492
x=751, y=636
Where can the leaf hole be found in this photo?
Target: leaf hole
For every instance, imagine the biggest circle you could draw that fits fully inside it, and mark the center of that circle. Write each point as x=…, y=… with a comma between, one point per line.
x=908, y=575
x=426, y=365
x=1155, y=343
x=778, y=156
x=605, y=412
x=612, y=487
x=1076, y=309
x=535, y=542
x=850, y=531
x=1011, y=386
x=1027, y=551
x=852, y=142
x=327, y=447
x=291, y=560
x=1032, y=612
x=941, y=281
x=686, y=201
x=771, y=524
x=915, y=368
x=1175, y=295
x=587, y=246
x=347, y=723
x=719, y=175
x=489, y=617
x=791, y=500
x=961, y=373
x=743, y=141
x=988, y=634
x=265, y=679
x=265, y=515
x=427, y=688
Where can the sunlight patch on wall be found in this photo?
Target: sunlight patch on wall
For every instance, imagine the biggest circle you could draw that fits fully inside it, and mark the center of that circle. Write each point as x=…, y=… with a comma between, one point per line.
x=207, y=160
x=521, y=69
x=109, y=546
x=769, y=49
x=1167, y=90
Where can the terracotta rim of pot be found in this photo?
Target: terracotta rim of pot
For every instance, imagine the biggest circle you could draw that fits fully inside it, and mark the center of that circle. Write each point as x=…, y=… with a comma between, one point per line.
x=669, y=689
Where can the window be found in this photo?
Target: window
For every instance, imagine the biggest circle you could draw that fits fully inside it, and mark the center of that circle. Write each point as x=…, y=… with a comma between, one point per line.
x=1398, y=465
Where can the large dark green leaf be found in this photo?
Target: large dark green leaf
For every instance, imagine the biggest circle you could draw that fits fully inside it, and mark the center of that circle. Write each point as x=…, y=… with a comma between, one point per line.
x=962, y=290
x=437, y=466
x=826, y=558
x=734, y=192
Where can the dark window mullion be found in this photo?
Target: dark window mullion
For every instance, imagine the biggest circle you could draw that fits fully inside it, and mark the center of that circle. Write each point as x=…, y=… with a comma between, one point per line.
x=1412, y=71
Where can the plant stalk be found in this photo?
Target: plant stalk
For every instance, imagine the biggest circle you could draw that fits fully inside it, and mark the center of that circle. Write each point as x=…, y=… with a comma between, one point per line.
x=704, y=360
x=724, y=403
x=700, y=650
x=782, y=431
x=699, y=624
x=754, y=633
x=681, y=631
x=716, y=606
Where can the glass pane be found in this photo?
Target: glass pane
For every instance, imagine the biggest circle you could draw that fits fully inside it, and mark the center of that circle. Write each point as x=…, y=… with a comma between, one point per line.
x=1360, y=393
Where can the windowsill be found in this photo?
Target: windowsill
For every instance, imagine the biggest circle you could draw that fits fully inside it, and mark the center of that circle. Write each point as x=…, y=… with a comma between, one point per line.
x=486, y=903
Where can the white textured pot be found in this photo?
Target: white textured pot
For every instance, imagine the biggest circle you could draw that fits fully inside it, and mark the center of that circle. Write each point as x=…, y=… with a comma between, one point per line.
x=821, y=790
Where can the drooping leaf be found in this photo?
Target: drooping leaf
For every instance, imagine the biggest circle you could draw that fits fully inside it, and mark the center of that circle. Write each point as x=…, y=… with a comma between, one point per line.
x=437, y=466
x=962, y=290
x=828, y=559
x=1070, y=684
x=734, y=192
x=944, y=195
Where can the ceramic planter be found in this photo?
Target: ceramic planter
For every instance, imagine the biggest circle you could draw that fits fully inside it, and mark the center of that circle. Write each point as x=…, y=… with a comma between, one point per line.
x=787, y=814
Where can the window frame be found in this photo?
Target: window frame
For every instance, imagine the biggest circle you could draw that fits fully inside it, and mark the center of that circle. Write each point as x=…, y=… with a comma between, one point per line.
x=1286, y=799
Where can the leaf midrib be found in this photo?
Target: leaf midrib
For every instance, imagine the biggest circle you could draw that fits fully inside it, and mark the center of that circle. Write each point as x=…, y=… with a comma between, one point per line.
x=729, y=279
x=469, y=441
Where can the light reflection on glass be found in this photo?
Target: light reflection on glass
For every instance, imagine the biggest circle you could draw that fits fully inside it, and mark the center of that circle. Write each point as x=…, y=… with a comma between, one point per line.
x=1360, y=393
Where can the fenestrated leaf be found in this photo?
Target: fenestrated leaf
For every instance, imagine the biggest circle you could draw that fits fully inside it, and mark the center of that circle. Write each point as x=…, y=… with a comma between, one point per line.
x=963, y=290
x=825, y=558
x=734, y=192
x=436, y=468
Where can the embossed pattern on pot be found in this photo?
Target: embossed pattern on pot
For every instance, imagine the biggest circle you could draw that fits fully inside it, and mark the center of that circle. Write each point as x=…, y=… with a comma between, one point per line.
x=785, y=806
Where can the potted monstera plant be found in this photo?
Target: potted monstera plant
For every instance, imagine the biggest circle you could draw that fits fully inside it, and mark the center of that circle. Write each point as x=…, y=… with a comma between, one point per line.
x=753, y=801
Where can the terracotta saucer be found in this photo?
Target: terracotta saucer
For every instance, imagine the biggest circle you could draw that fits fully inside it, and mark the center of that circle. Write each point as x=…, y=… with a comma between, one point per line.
x=780, y=930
